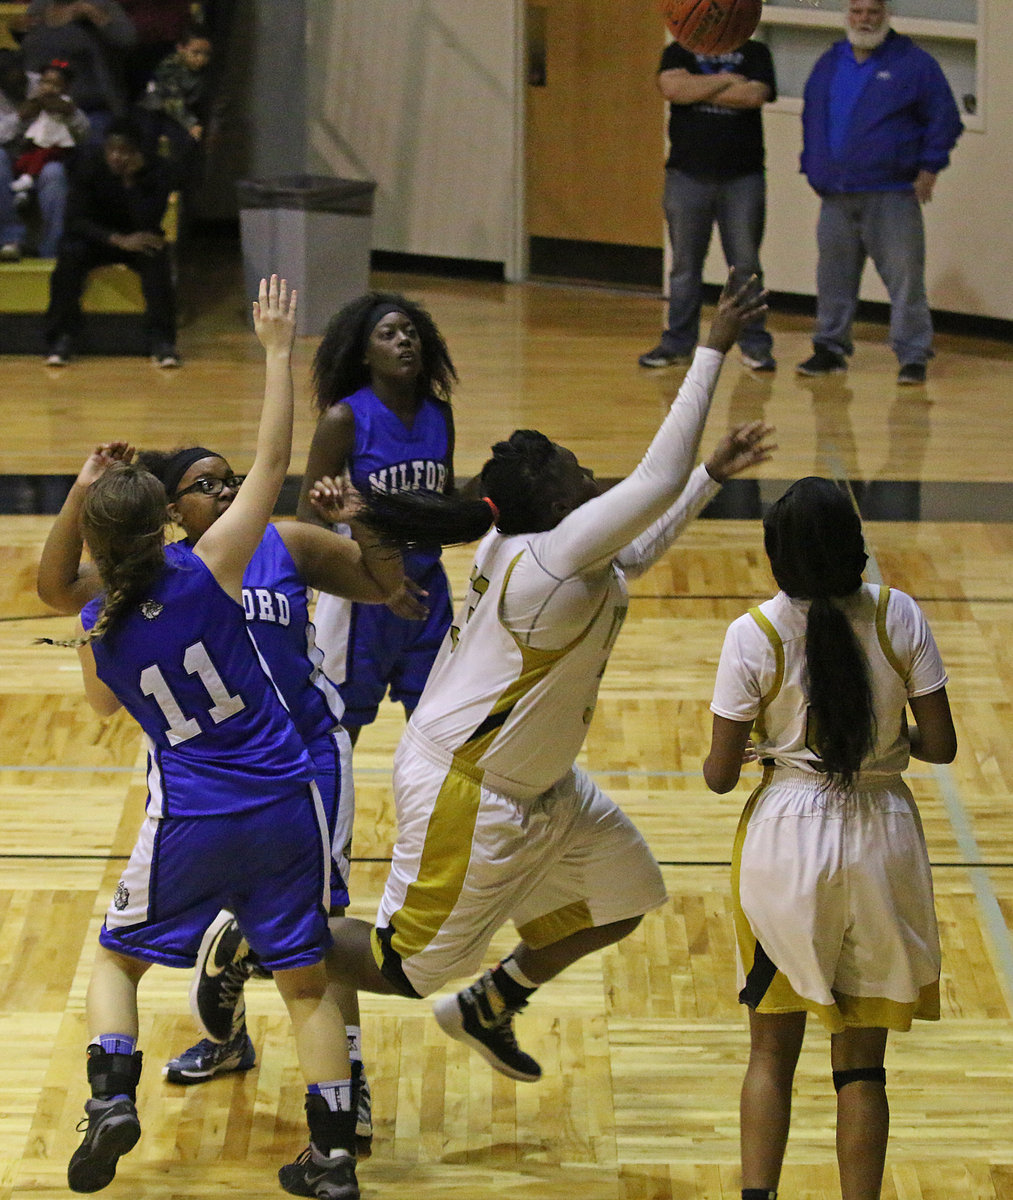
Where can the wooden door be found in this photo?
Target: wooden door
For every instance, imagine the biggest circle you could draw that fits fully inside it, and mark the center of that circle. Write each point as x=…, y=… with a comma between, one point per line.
x=594, y=126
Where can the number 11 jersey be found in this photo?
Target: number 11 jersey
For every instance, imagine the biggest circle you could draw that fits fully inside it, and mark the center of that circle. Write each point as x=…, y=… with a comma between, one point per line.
x=183, y=664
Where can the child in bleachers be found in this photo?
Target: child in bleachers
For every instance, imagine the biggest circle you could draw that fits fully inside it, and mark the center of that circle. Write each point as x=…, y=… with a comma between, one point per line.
x=52, y=125
x=178, y=93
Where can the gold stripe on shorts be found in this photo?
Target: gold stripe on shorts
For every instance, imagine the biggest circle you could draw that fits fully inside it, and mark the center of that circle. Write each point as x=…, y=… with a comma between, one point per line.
x=554, y=926
x=431, y=897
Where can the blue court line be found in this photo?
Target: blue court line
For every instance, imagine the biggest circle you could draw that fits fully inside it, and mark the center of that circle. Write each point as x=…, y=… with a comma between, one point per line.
x=959, y=818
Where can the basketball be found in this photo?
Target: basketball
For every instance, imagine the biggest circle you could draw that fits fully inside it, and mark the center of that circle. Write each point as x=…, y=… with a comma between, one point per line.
x=712, y=26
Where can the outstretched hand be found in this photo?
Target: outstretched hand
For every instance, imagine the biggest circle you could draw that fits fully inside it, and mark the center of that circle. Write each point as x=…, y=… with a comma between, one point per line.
x=742, y=447
x=335, y=501
x=737, y=306
x=101, y=458
x=274, y=316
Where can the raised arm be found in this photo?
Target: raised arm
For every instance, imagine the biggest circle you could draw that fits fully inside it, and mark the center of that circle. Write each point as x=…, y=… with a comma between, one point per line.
x=228, y=545
x=597, y=530
x=63, y=582
x=742, y=447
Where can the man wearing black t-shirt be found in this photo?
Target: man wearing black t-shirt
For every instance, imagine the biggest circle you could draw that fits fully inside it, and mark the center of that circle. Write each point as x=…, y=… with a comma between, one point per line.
x=714, y=172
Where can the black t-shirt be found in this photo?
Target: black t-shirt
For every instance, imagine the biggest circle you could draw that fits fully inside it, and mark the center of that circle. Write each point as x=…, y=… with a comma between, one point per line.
x=710, y=141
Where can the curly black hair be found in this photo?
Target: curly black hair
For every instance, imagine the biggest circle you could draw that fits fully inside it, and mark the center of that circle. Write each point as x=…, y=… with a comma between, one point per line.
x=338, y=366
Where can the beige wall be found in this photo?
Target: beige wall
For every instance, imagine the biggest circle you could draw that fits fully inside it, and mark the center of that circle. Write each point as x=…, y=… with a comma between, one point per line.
x=969, y=222
x=426, y=97
x=422, y=96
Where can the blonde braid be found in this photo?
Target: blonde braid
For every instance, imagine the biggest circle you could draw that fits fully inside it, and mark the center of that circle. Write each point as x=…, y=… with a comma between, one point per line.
x=123, y=523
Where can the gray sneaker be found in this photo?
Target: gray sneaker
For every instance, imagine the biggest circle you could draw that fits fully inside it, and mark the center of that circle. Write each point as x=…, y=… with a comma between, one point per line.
x=111, y=1128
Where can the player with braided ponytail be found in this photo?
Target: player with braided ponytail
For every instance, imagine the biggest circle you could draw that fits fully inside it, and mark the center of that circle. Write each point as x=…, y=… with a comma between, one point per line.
x=234, y=819
x=831, y=882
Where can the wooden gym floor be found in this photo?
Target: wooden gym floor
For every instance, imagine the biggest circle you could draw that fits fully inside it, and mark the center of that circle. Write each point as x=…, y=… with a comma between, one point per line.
x=643, y=1046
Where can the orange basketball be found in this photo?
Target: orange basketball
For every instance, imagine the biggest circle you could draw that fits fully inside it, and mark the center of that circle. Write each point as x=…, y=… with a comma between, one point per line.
x=712, y=26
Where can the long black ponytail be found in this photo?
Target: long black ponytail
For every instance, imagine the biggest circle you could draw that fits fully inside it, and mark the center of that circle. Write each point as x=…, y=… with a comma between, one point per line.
x=813, y=538
x=515, y=483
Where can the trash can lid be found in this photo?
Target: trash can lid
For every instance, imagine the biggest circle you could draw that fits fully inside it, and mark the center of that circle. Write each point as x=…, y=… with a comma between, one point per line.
x=314, y=193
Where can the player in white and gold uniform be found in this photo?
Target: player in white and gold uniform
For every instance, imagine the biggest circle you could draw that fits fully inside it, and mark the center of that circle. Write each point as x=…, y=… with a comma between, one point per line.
x=495, y=822
x=832, y=889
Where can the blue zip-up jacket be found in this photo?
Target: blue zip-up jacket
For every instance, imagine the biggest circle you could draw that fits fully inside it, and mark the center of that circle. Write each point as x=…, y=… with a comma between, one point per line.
x=905, y=121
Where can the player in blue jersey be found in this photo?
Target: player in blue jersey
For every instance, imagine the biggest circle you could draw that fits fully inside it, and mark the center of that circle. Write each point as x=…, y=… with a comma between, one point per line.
x=233, y=817
x=383, y=378
x=291, y=559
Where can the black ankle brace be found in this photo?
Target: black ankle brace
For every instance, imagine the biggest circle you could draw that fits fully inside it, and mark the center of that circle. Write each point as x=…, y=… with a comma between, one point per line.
x=859, y=1075
x=113, y=1074
x=330, y=1131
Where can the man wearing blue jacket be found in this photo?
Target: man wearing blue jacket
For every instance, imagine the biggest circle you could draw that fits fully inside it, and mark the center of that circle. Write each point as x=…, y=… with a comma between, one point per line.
x=878, y=124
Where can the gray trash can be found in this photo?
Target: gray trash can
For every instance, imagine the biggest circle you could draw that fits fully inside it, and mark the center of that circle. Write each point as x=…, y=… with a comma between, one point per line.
x=313, y=229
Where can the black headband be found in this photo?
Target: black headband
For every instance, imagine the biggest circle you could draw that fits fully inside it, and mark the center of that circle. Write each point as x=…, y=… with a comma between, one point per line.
x=378, y=312
x=180, y=463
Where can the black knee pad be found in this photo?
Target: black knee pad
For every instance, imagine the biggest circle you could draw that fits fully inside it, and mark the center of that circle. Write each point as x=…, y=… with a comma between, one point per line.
x=858, y=1075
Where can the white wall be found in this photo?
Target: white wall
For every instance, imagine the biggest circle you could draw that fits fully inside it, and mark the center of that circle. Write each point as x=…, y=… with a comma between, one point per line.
x=422, y=96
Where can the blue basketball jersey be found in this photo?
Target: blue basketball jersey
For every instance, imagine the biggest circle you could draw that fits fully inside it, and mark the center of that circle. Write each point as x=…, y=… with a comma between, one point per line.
x=276, y=601
x=184, y=665
x=387, y=456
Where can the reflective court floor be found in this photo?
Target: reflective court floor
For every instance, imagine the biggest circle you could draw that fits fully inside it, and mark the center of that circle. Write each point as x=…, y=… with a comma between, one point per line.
x=643, y=1046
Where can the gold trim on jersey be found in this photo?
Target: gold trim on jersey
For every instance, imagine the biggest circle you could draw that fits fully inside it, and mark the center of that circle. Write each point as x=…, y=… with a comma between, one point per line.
x=764, y=622
x=431, y=896
x=535, y=665
x=554, y=926
x=884, y=638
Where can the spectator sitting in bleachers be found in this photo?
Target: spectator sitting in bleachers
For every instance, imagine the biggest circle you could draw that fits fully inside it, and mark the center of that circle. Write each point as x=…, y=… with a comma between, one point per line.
x=118, y=199
x=93, y=36
x=50, y=183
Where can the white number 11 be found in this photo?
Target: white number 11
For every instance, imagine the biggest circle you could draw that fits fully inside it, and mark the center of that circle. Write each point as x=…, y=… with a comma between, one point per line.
x=198, y=662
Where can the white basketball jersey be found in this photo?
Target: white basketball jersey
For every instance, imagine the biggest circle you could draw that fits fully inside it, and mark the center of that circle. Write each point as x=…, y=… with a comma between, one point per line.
x=762, y=674
x=518, y=712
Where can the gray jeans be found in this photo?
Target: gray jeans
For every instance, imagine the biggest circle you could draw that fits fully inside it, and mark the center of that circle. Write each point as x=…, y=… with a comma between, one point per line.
x=888, y=228
x=692, y=206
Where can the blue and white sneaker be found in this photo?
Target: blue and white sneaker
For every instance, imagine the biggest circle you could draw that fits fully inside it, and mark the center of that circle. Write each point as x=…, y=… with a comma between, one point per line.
x=208, y=1059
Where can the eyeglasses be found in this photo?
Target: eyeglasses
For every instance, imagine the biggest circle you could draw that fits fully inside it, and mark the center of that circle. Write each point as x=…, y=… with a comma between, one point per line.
x=211, y=485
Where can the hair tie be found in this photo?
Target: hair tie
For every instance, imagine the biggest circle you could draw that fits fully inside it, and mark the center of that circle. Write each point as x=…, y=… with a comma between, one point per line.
x=495, y=510
x=61, y=64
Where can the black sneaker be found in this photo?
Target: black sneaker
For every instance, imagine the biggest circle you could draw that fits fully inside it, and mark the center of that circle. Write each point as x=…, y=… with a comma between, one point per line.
x=111, y=1129
x=759, y=362
x=823, y=362
x=911, y=374
x=208, y=1059
x=166, y=355
x=480, y=1018
x=223, y=967
x=660, y=357
x=59, y=352
x=315, y=1174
